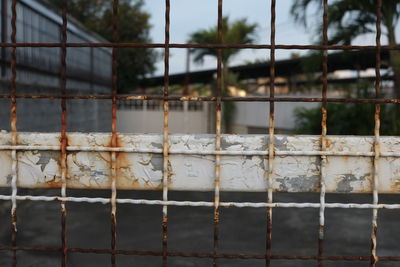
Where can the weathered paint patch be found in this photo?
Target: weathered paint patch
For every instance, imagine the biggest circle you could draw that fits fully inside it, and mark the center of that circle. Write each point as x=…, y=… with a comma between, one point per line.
x=300, y=183
x=195, y=170
x=345, y=184
x=45, y=157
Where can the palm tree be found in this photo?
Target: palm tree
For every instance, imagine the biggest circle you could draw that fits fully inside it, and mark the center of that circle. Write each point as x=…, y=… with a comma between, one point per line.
x=237, y=32
x=351, y=18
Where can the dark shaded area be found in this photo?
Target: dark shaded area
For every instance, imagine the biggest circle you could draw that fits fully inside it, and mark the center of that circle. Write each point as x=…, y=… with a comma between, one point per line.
x=348, y=119
x=242, y=230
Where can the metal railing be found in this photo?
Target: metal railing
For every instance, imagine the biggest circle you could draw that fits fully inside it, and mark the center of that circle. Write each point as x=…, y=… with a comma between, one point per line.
x=115, y=147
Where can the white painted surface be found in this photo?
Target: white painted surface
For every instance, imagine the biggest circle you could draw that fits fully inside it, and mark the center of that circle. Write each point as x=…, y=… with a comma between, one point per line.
x=151, y=121
x=255, y=114
x=192, y=163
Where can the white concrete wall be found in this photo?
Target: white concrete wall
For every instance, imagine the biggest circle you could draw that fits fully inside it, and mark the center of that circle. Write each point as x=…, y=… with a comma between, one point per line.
x=248, y=114
x=255, y=114
x=151, y=121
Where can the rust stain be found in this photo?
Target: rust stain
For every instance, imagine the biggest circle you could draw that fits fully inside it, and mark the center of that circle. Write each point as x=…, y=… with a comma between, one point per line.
x=328, y=142
x=53, y=184
x=135, y=184
x=130, y=183
x=345, y=159
x=395, y=186
x=63, y=163
x=149, y=186
x=122, y=162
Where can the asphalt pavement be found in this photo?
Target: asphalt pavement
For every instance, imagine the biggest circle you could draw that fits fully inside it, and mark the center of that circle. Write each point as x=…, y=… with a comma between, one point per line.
x=242, y=230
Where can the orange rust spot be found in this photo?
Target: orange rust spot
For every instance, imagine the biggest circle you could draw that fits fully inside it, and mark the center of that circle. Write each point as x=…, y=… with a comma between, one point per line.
x=345, y=159
x=132, y=183
x=60, y=139
x=148, y=186
x=395, y=187
x=152, y=187
x=122, y=160
x=122, y=164
x=53, y=184
x=328, y=142
x=119, y=141
x=135, y=184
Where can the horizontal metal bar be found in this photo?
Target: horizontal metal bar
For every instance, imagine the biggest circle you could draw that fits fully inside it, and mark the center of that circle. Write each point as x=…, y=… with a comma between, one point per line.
x=200, y=255
x=203, y=203
x=196, y=152
x=207, y=98
x=83, y=76
x=211, y=46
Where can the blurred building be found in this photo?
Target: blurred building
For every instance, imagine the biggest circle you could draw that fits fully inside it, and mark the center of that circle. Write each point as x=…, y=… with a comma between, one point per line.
x=38, y=70
x=295, y=77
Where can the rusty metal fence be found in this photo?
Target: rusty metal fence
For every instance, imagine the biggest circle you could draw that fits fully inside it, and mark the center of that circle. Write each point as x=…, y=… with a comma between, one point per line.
x=318, y=149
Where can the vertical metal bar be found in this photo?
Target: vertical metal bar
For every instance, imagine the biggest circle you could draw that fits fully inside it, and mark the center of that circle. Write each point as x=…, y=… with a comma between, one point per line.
x=323, y=133
x=165, y=138
x=92, y=70
x=64, y=138
x=14, y=133
x=187, y=74
x=114, y=136
x=4, y=32
x=374, y=257
x=220, y=85
x=271, y=143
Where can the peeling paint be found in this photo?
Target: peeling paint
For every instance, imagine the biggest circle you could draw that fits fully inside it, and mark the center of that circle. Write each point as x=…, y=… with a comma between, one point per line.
x=281, y=142
x=300, y=183
x=156, y=145
x=344, y=186
x=228, y=143
x=156, y=162
x=45, y=157
x=194, y=170
x=8, y=179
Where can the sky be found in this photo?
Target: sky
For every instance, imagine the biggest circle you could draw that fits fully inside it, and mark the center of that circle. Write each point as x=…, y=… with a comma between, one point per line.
x=188, y=16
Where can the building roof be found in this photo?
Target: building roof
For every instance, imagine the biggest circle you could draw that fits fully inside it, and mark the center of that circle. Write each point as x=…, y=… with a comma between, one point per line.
x=348, y=60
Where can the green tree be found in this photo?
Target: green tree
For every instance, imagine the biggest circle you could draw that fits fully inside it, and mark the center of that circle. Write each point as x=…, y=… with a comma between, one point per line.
x=351, y=18
x=134, y=27
x=236, y=32
x=348, y=118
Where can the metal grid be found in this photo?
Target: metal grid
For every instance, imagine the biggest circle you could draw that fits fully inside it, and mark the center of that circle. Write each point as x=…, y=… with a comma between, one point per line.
x=320, y=257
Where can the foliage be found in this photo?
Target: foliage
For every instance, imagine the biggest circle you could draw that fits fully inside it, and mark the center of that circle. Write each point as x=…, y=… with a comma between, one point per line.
x=351, y=18
x=348, y=118
x=347, y=20
x=236, y=32
x=229, y=108
x=133, y=26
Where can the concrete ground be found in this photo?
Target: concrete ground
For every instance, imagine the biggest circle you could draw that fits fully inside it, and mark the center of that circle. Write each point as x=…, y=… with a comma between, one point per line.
x=295, y=231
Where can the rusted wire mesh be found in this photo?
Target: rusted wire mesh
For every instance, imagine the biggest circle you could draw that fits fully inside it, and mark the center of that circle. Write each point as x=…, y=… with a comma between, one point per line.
x=165, y=253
